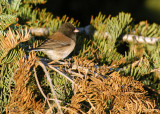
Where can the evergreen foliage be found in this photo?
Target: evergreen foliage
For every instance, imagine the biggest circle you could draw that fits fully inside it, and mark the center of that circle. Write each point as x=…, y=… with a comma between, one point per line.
x=100, y=47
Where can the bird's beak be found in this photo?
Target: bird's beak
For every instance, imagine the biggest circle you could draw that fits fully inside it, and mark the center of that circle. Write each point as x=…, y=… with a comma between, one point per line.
x=76, y=30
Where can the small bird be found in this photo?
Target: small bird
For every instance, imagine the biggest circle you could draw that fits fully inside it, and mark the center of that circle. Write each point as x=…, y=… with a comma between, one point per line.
x=60, y=44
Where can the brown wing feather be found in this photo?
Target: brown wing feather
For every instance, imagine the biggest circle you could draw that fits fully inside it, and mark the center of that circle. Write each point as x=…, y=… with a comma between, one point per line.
x=56, y=40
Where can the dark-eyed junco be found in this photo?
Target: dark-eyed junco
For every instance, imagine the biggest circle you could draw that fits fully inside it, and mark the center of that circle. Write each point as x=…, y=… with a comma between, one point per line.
x=60, y=44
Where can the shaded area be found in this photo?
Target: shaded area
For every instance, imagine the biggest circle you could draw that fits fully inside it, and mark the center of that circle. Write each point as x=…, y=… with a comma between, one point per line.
x=82, y=9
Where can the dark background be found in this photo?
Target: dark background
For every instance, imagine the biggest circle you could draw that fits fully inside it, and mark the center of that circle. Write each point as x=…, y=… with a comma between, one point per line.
x=83, y=9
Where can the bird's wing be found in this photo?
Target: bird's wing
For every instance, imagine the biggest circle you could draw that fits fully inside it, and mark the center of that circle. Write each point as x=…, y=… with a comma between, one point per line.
x=56, y=40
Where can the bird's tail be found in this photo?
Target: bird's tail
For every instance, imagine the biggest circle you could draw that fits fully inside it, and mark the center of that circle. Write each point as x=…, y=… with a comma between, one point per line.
x=35, y=49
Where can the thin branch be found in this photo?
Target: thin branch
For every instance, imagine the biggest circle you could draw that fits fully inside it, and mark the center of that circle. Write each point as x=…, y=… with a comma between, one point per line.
x=74, y=73
x=54, y=100
x=35, y=74
x=134, y=93
x=61, y=73
x=135, y=38
x=77, y=67
x=90, y=103
x=51, y=85
x=140, y=39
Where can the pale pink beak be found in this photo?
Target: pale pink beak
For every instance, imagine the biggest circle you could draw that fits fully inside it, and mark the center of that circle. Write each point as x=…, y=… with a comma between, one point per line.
x=76, y=30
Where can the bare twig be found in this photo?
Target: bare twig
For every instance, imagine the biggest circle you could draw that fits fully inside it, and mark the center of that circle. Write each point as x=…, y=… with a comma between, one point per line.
x=35, y=74
x=54, y=100
x=74, y=73
x=133, y=38
x=61, y=73
x=51, y=85
x=78, y=67
x=135, y=93
x=90, y=103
